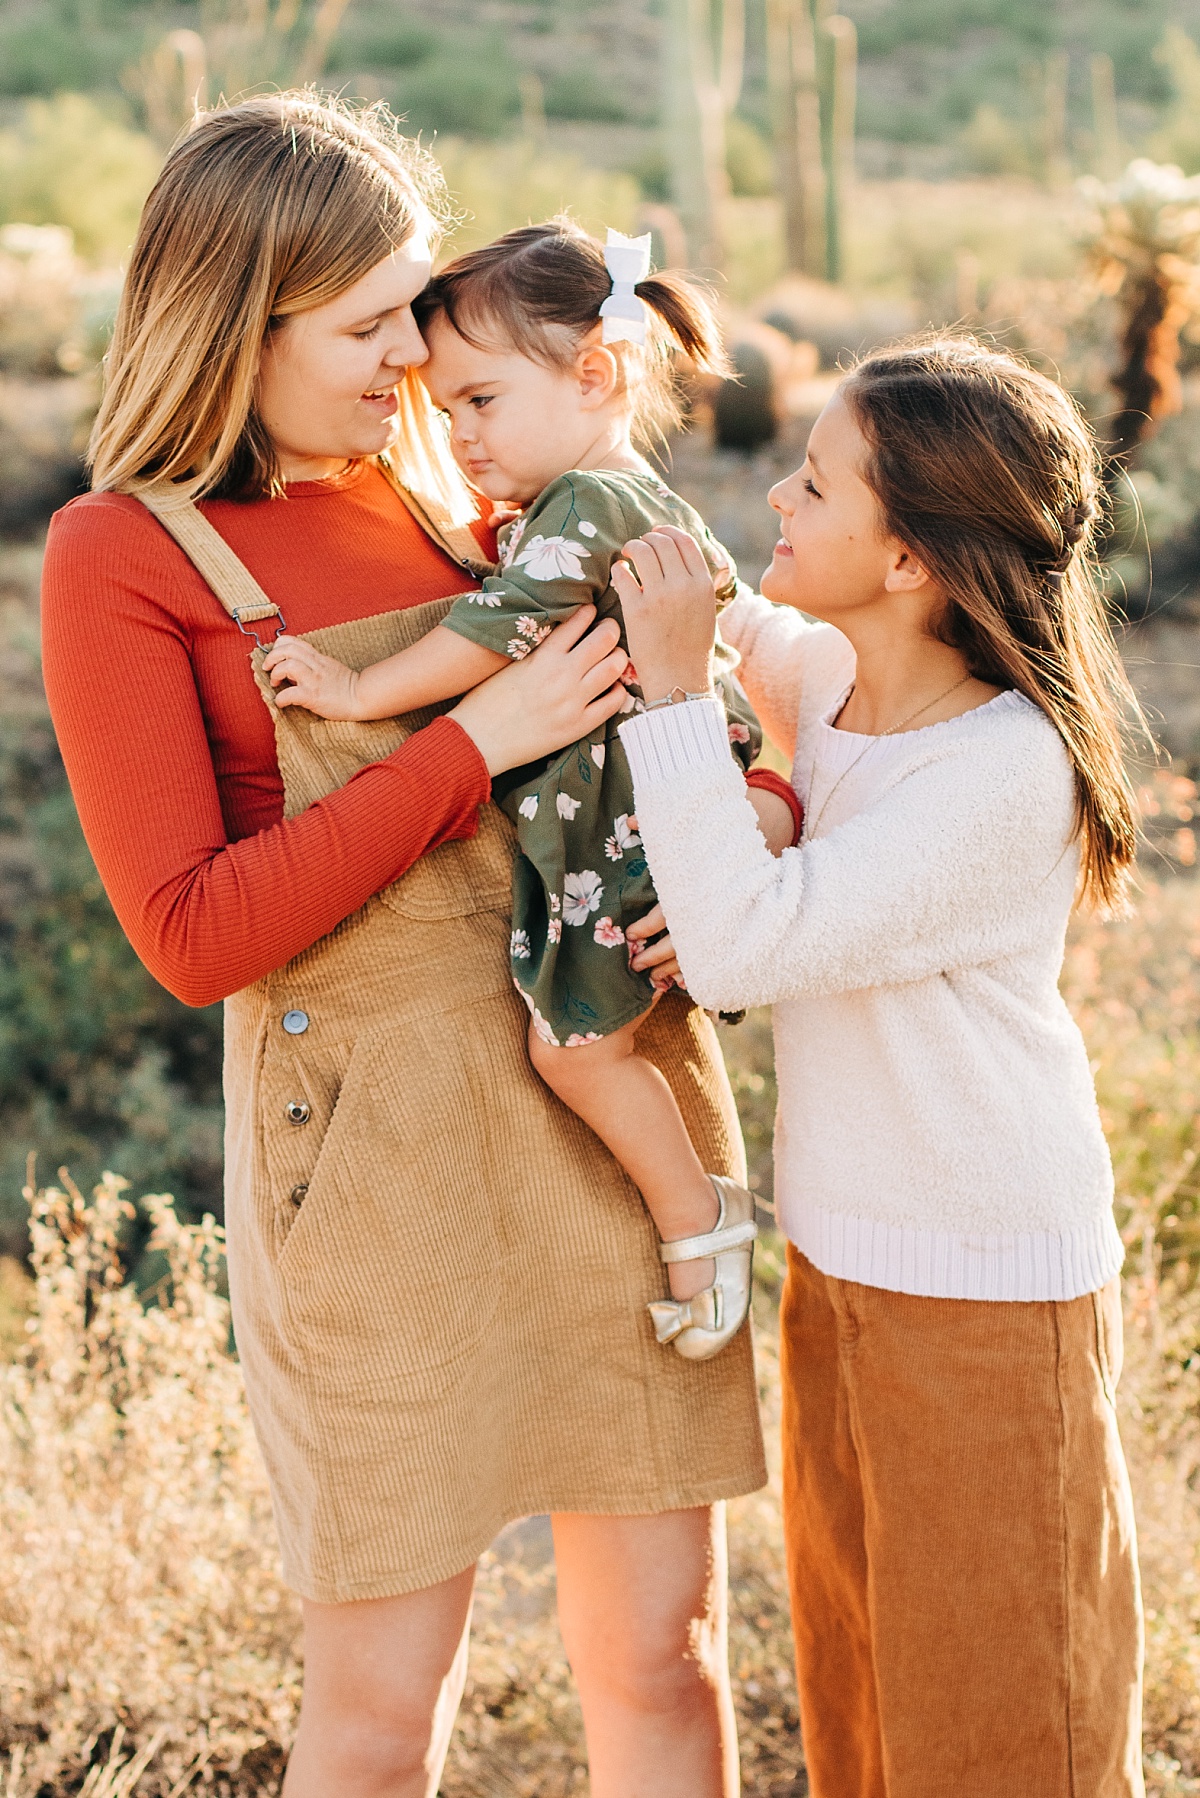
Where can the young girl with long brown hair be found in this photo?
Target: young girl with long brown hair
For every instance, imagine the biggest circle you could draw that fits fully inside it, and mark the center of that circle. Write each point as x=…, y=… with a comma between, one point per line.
x=960, y=1533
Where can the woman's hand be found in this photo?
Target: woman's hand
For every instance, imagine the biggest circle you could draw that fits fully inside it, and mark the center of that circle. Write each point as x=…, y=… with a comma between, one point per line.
x=656, y=959
x=564, y=691
x=670, y=608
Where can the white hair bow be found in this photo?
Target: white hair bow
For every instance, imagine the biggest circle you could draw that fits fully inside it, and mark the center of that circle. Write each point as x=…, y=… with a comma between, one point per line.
x=627, y=260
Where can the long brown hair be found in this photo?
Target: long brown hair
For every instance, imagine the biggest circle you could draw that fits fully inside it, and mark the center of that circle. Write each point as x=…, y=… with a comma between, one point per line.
x=539, y=289
x=262, y=210
x=989, y=474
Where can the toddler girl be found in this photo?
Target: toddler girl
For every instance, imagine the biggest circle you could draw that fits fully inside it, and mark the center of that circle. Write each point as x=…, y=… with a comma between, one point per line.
x=547, y=352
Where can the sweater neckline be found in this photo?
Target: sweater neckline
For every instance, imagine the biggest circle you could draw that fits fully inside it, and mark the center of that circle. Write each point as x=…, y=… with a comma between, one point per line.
x=348, y=477
x=1002, y=702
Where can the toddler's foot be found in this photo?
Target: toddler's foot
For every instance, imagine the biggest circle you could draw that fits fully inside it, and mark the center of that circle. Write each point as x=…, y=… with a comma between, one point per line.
x=687, y=1278
x=699, y=1326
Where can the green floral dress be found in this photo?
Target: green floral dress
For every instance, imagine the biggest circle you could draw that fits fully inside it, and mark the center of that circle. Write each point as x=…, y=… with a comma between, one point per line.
x=580, y=875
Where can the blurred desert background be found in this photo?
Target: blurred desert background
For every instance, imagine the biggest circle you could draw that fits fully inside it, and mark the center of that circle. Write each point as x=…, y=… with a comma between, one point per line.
x=1028, y=170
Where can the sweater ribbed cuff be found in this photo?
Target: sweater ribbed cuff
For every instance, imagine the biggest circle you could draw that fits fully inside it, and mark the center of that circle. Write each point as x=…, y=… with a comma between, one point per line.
x=663, y=744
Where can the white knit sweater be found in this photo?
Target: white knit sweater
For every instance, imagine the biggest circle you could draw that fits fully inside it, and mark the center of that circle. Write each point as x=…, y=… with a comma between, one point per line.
x=937, y=1130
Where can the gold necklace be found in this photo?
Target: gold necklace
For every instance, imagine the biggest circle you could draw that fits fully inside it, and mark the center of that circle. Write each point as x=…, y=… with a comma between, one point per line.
x=891, y=731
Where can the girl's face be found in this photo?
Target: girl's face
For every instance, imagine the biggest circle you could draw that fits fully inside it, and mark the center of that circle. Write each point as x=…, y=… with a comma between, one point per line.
x=834, y=558
x=328, y=377
x=516, y=424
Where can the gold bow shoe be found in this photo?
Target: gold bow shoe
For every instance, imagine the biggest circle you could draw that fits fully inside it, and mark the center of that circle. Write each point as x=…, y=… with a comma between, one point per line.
x=700, y=1327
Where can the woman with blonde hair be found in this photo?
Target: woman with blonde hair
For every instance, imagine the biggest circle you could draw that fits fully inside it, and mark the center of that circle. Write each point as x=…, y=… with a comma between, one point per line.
x=403, y=1193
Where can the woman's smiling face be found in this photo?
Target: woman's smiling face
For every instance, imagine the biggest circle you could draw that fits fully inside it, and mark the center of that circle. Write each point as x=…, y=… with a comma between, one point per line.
x=833, y=555
x=327, y=381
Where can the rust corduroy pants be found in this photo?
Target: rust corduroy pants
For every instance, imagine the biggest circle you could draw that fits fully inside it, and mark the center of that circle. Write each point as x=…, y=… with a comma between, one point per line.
x=961, y=1547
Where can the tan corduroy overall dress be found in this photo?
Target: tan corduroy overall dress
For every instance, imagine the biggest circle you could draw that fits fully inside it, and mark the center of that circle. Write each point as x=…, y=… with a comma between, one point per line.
x=439, y=1276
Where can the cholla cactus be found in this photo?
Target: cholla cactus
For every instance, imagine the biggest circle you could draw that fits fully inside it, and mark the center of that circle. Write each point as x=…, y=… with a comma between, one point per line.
x=1144, y=241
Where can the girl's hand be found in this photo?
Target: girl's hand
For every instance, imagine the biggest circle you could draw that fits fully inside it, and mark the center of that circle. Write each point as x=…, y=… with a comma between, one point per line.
x=656, y=959
x=563, y=692
x=316, y=682
x=670, y=608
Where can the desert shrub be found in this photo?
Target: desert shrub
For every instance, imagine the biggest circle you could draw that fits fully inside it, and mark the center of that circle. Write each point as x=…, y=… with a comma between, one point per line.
x=97, y=1062
x=69, y=161
x=994, y=144
x=381, y=40
x=140, y=1589
x=748, y=159
x=39, y=54
x=909, y=236
x=40, y=279
x=1177, y=139
x=473, y=91
x=1157, y=514
x=517, y=182
x=580, y=91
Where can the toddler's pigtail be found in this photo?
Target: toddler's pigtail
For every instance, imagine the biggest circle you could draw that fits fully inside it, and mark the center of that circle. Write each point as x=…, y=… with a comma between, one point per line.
x=687, y=312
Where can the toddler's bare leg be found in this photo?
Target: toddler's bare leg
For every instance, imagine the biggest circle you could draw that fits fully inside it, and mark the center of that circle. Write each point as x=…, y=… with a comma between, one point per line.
x=628, y=1103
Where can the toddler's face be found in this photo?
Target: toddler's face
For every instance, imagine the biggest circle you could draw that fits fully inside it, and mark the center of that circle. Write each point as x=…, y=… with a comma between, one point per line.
x=515, y=425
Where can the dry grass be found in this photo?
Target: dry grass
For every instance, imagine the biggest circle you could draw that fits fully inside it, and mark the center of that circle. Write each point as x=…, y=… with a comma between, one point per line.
x=147, y=1642
x=141, y=1609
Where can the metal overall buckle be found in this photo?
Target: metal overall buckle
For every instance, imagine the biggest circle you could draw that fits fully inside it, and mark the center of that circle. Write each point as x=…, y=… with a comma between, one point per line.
x=257, y=615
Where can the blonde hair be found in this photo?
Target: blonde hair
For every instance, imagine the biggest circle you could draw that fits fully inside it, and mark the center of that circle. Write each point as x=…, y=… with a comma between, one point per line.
x=263, y=210
x=988, y=472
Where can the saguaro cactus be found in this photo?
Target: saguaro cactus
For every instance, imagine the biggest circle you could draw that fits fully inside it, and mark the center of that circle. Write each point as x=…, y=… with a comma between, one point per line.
x=1106, y=130
x=796, y=115
x=240, y=44
x=842, y=102
x=701, y=82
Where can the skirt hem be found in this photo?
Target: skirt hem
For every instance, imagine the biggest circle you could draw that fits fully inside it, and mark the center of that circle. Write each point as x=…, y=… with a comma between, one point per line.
x=457, y=1560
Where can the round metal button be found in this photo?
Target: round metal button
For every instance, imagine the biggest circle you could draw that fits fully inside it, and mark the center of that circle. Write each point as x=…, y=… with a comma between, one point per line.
x=298, y=1193
x=297, y=1112
x=295, y=1022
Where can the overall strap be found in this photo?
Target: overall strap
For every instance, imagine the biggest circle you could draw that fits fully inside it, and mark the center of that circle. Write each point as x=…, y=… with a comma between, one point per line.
x=457, y=541
x=229, y=578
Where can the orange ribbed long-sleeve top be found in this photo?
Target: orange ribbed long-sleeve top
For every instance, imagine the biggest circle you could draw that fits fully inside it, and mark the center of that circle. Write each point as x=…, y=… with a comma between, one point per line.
x=170, y=750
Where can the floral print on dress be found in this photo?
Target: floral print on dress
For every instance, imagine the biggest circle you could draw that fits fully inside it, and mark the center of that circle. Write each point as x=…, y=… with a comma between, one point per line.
x=552, y=558
x=581, y=895
x=580, y=877
x=511, y=543
x=623, y=839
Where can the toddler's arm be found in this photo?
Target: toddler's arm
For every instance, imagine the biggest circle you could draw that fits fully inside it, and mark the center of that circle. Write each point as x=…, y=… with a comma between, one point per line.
x=441, y=666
